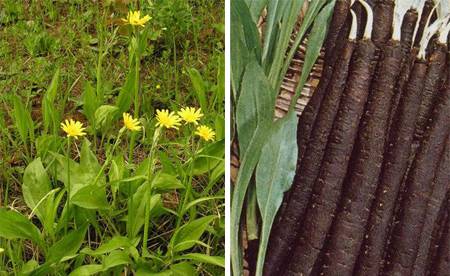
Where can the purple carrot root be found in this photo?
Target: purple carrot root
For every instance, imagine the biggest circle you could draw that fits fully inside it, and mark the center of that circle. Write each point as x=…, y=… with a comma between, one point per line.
x=327, y=187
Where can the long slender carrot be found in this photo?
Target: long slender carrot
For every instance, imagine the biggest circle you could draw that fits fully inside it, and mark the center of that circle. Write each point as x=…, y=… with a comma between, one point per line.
x=284, y=233
x=441, y=265
x=403, y=249
x=426, y=11
x=433, y=82
x=393, y=168
x=327, y=186
x=347, y=232
x=383, y=13
x=437, y=198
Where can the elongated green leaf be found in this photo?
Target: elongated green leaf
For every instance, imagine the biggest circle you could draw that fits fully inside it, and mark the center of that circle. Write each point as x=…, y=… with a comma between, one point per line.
x=126, y=95
x=90, y=102
x=137, y=209
x=86, y=270
x=255, y=7
x=109, y=246
x=209, y=157
x=183, y=269
x=316, y=39
x=36, y=185
x=105, y=115
x=274, y=175
x=254, y=116
x=202, y=258
x=22, y=120
x=187, y=235
x=165, y=182
x=247, y=27
x=200, y=88
x=49, y=112
x=67, y=246
x=16, y=226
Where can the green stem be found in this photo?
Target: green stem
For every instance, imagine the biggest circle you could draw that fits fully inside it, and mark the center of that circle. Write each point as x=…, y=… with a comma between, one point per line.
x=151, y=168
x=137, y=64
x=68, y=185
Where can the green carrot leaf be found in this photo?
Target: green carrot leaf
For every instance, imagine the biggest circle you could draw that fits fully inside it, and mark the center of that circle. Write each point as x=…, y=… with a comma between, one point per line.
x=274, y=176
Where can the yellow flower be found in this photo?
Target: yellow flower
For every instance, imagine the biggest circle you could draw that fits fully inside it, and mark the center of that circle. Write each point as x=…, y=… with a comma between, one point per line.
x=73, y=128
x=206, y=133
x=158, y=86
x=190, y=115
x=167, y=119
x=134, y=18
x=2, y=250
x=130, y=123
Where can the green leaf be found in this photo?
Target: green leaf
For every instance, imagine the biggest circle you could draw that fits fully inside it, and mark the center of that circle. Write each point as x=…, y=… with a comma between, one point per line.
x=85, y=270
x=246, y=27
x=254, y=116
x=187, y=235
x=90, y=102
x=115, y=258
x=50, y=114
x=15, y=226
x=209, y=157
x=200, y=88
x=105, y=115
x=22, y=119
x=68, y=246
x=274, y=176
x=183, y=269
x=315, y=41
x=91, y=197
x=203, y=258
x=36, y=185
x=255, y=7
x=109, y=246
x=165, y=182
x=126, y=95
x=136, y=212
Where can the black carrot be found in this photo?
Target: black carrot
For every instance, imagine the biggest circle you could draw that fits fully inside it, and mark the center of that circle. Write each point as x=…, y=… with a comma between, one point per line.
x=402, y=251
x=436, y=200
x=433, y=82
x=393, y=168
x=383, y=14
x=437, y=234
x=441, y=265
x=347, y=232
x=308, y=116
x=327, y=187
x=284, y=234
x=426, y=11
x=407, y=31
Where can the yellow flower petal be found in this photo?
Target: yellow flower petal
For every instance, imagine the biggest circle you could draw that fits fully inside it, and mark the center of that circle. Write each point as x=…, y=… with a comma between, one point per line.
x=167, y=119
x=134, y=18
x=190, y=115
x=131, y=123
x=73, y=128
x=206, y=133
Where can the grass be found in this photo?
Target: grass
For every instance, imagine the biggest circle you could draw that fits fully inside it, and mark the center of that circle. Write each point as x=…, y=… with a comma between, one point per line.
x=115, y=201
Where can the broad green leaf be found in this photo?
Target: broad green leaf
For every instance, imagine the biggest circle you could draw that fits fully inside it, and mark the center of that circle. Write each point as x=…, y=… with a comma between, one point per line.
x=86, y=270
x=183, y=269
x=22, y=120
x=246, y=27
x=274, y=175
x=91, y=197
x=90, y=102
x=203, y=258
x=126, y=93
x=109, y=246
x=165, y=182
x=16, y=226
x=209, y=157
x=187, y=235
x=200, y=88
x=136, y=209
x=68, y=246
x=315, y=41
x=254, y=116
x=115, y=258
x=239, y=60
x=28, y=267
x=36, y=185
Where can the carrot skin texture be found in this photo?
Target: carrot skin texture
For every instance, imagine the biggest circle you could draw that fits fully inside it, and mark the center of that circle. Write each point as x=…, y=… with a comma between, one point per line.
x=404, y=243
x=435, y=202
x=407, y=30
x=383, y=15
x=327, y=187
x=441, y=265
x=427, y=8
x=393, y=168
x=433, y=82
x=284, y=233
x=348, y=227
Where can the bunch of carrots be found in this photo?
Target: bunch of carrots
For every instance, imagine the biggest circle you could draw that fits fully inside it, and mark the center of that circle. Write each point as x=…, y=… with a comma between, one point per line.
x=371, y=191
